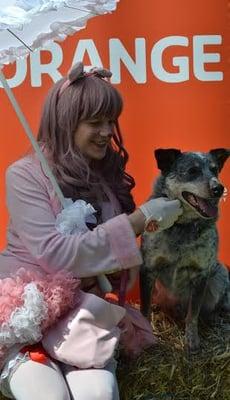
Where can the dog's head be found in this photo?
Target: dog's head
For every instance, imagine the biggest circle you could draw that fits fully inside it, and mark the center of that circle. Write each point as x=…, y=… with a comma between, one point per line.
x=192, y=177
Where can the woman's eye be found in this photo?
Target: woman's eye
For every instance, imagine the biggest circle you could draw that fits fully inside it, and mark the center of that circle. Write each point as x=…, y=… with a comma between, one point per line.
x=95, y=123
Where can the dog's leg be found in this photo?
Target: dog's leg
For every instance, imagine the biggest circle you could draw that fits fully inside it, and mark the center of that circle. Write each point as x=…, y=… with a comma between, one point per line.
x=226, y=299
x=217, y=296
x=191, y=322
x=147, y=283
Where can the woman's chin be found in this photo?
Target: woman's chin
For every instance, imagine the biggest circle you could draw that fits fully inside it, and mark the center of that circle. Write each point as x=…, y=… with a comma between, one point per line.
x=96, y=155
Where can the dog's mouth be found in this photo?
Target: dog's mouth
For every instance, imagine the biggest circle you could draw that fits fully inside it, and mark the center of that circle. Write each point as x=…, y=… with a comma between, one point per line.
x=205, y=207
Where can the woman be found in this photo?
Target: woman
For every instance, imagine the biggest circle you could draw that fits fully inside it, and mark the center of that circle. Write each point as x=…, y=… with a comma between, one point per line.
x=80, y=136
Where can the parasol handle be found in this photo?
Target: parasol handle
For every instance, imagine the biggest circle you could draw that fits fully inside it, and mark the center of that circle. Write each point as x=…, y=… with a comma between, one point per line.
x=123, y=287
x=32, y=139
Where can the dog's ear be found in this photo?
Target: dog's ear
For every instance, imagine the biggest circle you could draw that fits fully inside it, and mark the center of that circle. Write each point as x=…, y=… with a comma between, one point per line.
x=165, y=158
x=220, y=155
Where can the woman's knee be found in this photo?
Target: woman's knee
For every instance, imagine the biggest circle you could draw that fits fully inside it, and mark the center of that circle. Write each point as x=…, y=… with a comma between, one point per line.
x=92, y=385
x=33, y=380
x=105, y=390
x=95, y=392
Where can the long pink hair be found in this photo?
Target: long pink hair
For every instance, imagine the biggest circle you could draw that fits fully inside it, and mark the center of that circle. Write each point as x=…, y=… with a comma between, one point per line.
x=86, y=98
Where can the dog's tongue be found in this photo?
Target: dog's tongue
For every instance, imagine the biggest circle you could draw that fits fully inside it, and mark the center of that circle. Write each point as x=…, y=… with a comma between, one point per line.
x=209, y=209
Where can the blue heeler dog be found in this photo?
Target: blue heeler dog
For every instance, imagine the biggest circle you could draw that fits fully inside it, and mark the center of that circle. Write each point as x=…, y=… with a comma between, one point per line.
x=182, y=260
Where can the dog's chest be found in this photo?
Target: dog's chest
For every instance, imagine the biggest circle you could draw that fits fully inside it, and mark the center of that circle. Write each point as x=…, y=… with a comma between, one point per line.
x=181, y=247
x=179, y=257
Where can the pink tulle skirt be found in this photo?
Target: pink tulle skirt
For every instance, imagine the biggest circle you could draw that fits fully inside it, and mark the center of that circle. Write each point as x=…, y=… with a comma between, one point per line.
x=59, y=292
x=30, y=303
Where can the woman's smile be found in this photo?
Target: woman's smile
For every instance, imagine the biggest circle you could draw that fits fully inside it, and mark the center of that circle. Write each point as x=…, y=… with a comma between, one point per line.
x=93, y=138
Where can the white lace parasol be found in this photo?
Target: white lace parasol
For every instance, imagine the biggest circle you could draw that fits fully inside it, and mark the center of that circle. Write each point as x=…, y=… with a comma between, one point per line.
x=26, y=25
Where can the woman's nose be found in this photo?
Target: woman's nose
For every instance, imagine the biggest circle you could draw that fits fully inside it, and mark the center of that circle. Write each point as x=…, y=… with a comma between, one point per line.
x=106, y=130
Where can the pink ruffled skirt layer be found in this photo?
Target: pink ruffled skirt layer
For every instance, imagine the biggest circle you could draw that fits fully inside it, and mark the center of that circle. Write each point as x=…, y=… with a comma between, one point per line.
x=31, y=303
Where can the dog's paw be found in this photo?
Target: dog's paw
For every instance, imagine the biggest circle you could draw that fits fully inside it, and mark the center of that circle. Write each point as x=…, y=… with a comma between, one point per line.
x=192, y=340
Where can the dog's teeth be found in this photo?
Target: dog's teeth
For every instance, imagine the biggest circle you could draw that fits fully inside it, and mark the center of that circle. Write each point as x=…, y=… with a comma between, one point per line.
x=224, y=196
x=192, y=200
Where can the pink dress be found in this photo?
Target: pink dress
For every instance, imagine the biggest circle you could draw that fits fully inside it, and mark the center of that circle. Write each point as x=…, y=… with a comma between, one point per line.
x=41, y=269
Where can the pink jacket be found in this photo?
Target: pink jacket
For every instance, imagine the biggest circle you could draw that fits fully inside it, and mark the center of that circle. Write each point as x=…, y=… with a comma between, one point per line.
x=35, y=243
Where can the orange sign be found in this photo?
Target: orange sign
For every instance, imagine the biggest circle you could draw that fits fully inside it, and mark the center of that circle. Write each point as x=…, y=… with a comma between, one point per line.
x=169, y=60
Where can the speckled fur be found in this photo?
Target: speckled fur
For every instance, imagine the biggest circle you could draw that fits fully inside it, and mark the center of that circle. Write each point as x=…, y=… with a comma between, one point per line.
x=183, y=259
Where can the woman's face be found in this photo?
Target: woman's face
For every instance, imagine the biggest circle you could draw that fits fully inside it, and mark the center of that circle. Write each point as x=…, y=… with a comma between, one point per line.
x=93, y=137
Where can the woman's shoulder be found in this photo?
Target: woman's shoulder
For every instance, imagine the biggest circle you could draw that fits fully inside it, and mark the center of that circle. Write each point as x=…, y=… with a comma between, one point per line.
x=26, y=176
x=28, y=166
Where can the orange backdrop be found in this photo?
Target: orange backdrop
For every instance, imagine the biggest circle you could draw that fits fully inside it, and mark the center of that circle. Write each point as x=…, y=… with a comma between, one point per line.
x=169, y=60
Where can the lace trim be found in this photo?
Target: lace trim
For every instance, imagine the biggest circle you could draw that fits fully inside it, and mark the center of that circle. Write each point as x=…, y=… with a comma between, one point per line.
x=72, y=15
x=25, y=322
x=14, y=361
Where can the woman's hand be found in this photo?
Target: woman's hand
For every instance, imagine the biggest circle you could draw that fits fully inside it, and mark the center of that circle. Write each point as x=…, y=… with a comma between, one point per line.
x=162, y=211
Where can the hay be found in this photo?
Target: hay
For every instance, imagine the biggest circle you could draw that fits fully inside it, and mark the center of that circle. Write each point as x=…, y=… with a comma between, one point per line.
x=168, y=372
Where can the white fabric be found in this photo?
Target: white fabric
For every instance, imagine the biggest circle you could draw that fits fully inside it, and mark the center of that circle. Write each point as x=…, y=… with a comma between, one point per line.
x=37, y=22
x=73, y=217
x=25, y=322
x=88, y=335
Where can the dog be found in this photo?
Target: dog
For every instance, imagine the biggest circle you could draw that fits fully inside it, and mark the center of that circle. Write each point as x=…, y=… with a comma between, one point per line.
x=180, y=264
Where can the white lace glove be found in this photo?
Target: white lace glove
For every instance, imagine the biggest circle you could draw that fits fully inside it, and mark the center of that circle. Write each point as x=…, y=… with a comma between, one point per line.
x=160, y=213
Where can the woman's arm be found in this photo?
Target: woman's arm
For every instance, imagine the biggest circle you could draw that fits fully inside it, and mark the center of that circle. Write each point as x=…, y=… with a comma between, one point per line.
x=110, y=246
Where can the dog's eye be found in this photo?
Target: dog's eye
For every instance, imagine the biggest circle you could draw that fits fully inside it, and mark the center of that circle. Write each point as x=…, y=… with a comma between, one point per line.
x=214, y=170
x=194, y=171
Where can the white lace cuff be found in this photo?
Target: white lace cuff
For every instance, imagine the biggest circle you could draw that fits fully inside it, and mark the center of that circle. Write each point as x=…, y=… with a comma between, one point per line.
x=74, y=217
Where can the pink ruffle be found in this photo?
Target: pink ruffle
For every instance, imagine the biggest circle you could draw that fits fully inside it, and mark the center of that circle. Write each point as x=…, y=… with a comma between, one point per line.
x=60, y=293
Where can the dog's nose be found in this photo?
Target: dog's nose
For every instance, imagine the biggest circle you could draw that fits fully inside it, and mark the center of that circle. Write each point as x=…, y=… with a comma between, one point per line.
x=217, y=189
